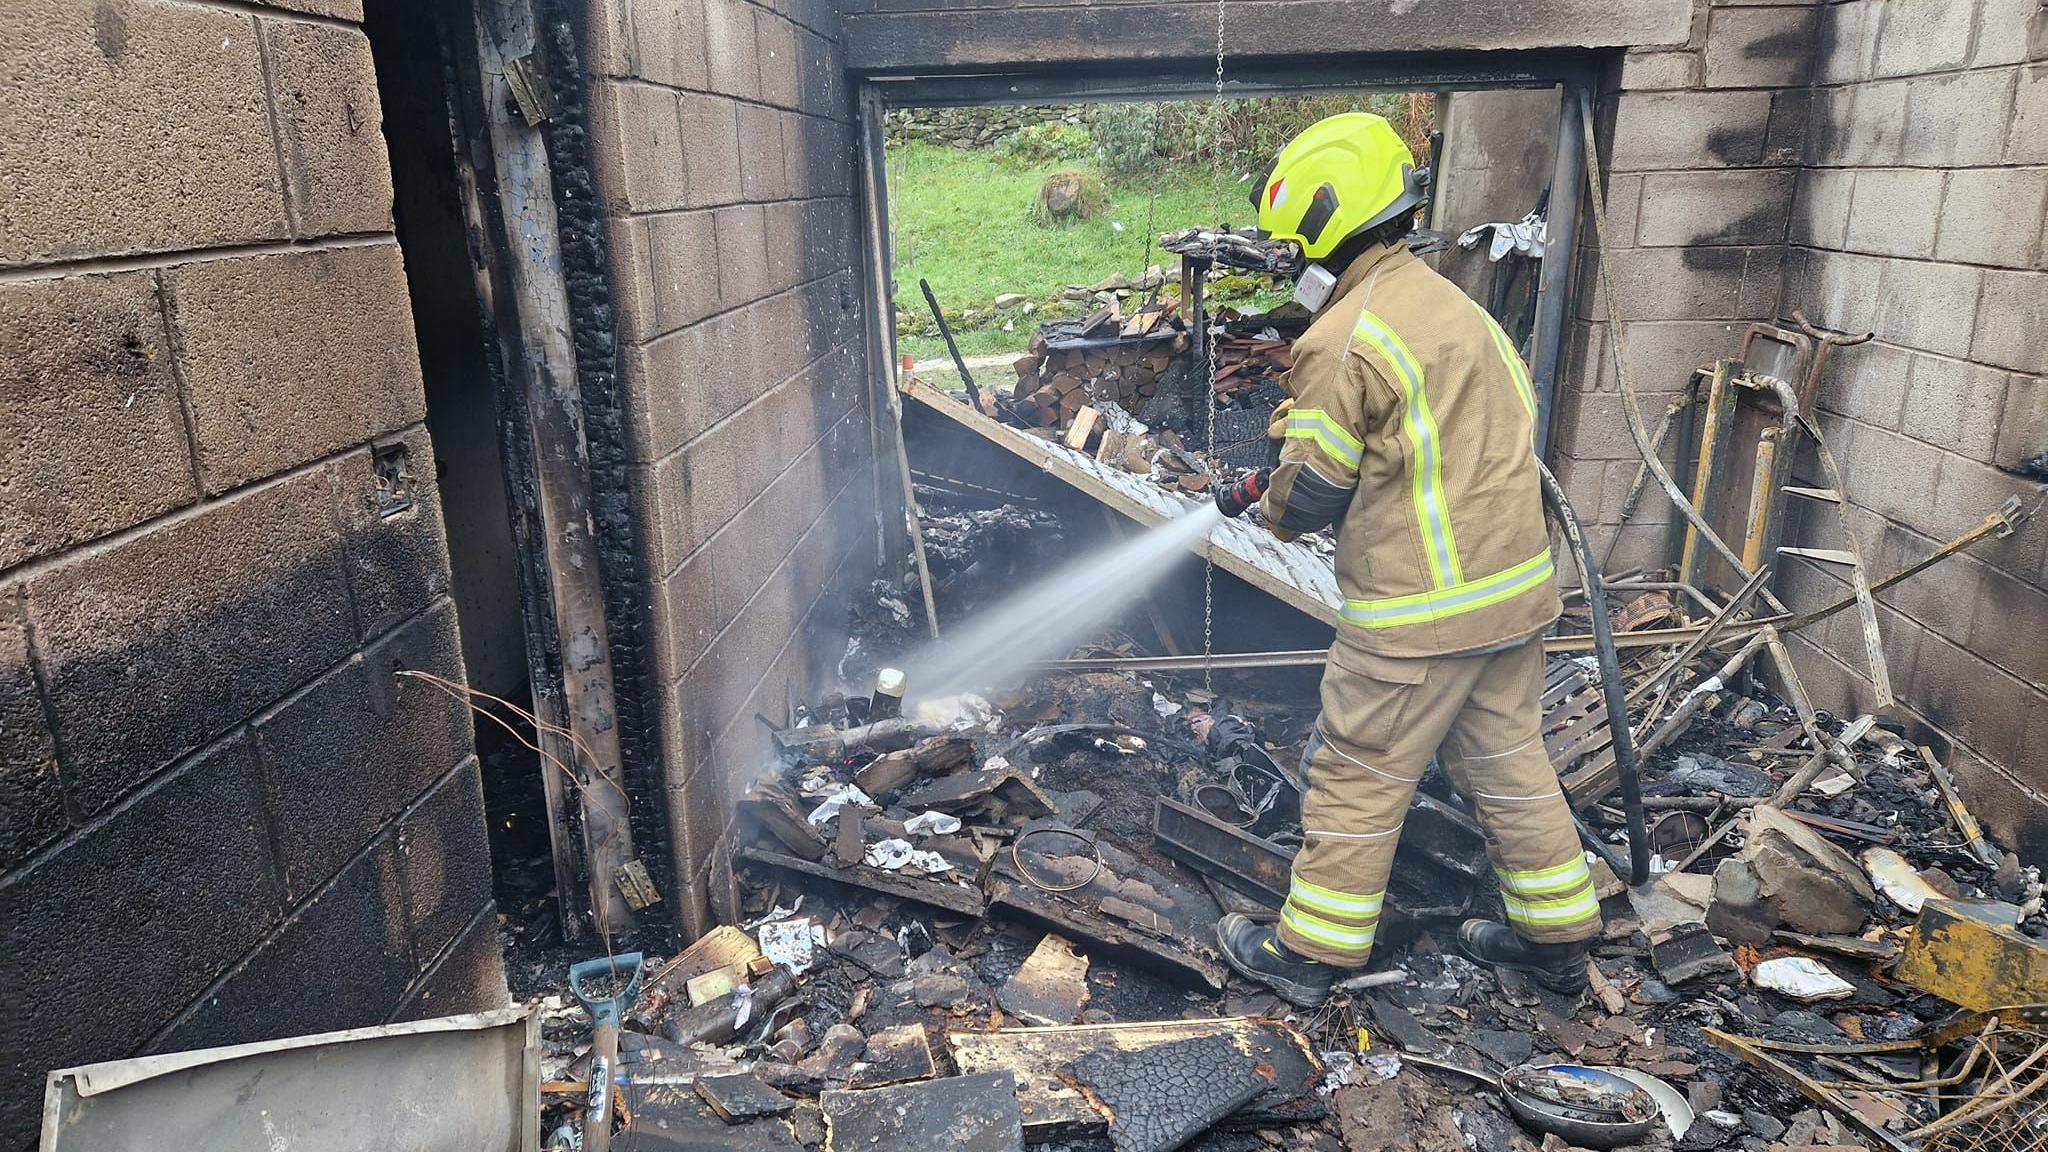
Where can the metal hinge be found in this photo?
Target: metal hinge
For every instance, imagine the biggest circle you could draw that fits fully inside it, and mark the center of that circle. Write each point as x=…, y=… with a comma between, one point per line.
x=529, y=91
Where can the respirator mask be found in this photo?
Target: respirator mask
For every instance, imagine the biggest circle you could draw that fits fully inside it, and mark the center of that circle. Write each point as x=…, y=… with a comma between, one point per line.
x=1313, y=286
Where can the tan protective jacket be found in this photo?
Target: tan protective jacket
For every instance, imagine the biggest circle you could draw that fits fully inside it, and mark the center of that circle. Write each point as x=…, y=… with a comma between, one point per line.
x=1412, y=431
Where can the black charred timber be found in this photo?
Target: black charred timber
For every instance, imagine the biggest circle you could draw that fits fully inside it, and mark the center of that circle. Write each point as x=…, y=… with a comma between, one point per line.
x=952, y=1114
x=593, y=318
x=719, y=1021
x=946, y=330
x=741, y=1097
x=1160, y=1098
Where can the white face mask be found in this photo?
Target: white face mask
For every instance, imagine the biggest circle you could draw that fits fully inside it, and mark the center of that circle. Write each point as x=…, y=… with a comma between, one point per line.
x=1312, y=289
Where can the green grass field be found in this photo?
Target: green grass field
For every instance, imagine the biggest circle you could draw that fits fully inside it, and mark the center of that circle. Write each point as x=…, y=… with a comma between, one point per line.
x=962, y=219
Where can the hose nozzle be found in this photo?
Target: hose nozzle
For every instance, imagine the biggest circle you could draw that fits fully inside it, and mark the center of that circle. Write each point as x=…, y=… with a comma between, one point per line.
x=1234, y=499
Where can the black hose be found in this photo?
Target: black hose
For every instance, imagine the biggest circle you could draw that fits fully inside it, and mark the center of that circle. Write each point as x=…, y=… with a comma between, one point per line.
x=1637, y=866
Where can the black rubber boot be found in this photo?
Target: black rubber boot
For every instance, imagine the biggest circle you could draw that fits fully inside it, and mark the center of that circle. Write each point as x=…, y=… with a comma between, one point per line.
x=1558, y=967
x=1256, y=952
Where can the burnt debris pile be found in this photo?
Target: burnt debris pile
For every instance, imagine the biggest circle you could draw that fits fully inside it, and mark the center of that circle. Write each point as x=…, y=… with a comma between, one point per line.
x=972, y=923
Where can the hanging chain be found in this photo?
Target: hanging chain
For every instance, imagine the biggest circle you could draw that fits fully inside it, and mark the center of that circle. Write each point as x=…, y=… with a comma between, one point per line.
x=1209, y=403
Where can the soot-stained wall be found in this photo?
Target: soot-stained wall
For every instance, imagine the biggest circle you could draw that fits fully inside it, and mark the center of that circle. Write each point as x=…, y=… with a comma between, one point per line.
x=1918, y=214
x=724, y=159
x=1880, y=165
x=222, y=817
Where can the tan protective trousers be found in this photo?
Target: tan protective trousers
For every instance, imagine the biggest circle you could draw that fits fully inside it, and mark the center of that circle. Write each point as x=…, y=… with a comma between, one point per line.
x=1383, y=719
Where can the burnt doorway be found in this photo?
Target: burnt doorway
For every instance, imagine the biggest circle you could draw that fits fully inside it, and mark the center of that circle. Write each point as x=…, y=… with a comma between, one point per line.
x=410, y=43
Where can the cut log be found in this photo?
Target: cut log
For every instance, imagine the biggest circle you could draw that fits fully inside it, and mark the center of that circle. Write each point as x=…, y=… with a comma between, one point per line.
x=1081, y=427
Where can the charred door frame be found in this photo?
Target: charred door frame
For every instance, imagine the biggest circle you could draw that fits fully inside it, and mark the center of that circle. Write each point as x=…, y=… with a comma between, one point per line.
x=1576, y=73
x=500, y=102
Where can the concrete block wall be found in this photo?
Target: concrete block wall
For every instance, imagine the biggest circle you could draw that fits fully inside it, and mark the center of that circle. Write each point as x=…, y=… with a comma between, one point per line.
x=725, y=146
x=1879, y=165
x=222, y=817
x=1918, y=213
x=1700, y=146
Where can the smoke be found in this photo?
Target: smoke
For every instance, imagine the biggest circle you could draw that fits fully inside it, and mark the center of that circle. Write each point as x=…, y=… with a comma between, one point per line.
x=1048, y=617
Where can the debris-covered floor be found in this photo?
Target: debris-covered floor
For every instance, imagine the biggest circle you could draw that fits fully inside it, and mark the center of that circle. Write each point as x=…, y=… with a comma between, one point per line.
x=986, y=923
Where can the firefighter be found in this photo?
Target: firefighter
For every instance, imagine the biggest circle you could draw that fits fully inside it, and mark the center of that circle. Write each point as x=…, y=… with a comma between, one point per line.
x=1411, y=430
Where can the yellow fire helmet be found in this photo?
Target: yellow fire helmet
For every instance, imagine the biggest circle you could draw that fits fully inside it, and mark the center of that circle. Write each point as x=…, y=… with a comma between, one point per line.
x=1343, y=174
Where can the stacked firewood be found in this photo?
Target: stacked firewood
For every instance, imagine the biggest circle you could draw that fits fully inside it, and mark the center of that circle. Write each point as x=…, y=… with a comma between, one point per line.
x=1244, y=364
x=1103, y=359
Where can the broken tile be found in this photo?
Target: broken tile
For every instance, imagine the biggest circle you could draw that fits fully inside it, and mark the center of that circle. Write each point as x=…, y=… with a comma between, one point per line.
x=1688, y=952
x=674, y=1118
x=895, y=1056
x=1055, y=1109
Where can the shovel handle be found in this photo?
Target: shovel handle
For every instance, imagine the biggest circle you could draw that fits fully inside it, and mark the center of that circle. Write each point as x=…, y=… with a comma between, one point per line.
x=597, y=1111
x=607, y=1009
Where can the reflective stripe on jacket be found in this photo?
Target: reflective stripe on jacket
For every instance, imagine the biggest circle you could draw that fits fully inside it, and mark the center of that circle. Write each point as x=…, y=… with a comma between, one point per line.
x=1412, y=431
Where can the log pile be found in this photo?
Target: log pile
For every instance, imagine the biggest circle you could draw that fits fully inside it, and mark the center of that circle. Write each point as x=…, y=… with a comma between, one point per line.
x=1246, y=363
x=1102, y=359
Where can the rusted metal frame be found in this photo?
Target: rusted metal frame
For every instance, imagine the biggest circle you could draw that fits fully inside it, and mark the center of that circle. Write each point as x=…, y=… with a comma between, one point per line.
x=1617, y=344
x=1710, y=473
x=2002, y=522
x=1705, y=637
x=1772, y=471
x=1742, y=1048
x=1705, y=601
x=891, y=536
x=1859, y=581
x=1208, y=845
x=1794, y=688
x=472, y=154
x=545, y=370
x=1990, y=1100
x=1681, y=717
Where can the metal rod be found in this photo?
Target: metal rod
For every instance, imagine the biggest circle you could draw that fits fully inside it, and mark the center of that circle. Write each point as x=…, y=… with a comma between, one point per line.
x=1681, y=717
x=1553, y=275
x=946, y=331
x=1677, y=404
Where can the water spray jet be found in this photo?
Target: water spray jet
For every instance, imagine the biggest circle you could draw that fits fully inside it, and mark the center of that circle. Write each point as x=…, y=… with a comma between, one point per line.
x=1062, y=608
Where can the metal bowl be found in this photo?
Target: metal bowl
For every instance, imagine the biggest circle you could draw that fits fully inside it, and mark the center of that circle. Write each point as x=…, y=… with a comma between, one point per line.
x=1586, y=1127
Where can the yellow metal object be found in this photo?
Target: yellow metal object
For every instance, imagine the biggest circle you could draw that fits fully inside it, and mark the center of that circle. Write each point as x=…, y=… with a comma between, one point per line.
x=1966, y=952
x=1343, y=173
x=1364, y=1040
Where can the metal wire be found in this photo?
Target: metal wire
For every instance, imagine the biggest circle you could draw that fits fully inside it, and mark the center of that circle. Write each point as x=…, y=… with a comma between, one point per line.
x=1094, y=853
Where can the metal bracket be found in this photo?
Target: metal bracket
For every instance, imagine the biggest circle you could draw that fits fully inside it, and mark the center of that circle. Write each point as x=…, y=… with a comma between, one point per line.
x=530, y=93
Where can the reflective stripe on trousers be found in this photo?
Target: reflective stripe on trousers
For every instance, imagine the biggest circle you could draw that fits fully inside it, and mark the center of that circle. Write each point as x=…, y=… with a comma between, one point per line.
x=1550, y=898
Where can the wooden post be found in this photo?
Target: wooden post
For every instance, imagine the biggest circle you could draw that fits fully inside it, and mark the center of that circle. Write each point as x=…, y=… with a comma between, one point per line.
x=540, y=357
